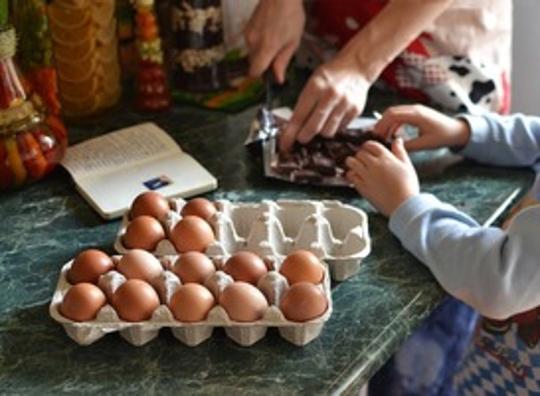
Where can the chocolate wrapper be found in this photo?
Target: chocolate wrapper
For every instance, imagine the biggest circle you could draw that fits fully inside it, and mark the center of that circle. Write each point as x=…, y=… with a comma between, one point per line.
x=321, y=162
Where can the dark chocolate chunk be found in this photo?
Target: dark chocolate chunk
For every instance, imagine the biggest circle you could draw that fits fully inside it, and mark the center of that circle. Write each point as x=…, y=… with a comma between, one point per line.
x=306, y=176
x=324, y=165
x=339, y=152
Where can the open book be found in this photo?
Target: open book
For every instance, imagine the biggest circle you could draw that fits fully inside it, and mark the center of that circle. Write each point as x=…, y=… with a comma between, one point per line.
x=111, y=170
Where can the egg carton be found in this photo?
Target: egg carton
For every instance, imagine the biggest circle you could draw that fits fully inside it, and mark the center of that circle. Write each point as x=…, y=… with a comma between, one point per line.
x=335, y=232
x=273, y=285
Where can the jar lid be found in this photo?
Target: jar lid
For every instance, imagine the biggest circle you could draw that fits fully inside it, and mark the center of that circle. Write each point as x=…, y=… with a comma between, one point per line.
x=8, y=43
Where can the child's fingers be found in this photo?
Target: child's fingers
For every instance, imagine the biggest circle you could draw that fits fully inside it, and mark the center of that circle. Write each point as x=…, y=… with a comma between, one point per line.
x=356, y=165
x=356, y=181
x=422, y=142
x=399, y=151
x=406, y=114
x=374, y=148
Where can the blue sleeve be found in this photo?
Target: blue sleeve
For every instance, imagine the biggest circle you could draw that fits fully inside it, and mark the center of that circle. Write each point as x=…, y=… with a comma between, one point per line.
x=495, y=271
x=505, y=141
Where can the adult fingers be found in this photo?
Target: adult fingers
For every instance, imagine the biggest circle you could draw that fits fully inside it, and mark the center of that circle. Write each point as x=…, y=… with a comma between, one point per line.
x=335, y=119
x=304, y=107
x=282, y=60
x=317, y=118
x=351, y=114
x=261, y=58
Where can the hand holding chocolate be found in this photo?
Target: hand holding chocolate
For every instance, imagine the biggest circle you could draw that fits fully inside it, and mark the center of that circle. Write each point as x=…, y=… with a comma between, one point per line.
x=321, y=161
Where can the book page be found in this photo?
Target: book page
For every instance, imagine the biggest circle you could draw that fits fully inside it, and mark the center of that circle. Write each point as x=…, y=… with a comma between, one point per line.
x=120, y=149
x=175, y=175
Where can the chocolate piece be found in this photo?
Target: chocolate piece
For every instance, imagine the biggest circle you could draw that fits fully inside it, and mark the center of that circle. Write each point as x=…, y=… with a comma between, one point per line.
x=306, y=176
x=339, y=152
x=287, y=166
x=324, y=165
x=322, y=160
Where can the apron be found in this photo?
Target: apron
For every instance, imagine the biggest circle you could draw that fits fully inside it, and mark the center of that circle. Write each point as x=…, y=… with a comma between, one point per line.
x=460, y=64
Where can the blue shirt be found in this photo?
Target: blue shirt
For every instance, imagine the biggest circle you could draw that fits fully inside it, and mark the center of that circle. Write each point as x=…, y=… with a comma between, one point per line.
x=495, y=271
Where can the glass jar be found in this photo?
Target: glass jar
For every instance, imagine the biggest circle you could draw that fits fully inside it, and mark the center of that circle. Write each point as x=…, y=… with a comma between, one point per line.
x=34, y=50
x=85, y=50
x=31, y=143
x=199, y=49
x=30, y=149
x=151, y=87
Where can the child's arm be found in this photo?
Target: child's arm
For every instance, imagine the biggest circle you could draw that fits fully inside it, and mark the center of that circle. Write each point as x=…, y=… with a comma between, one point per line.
x=507, y=141
x=496, y=272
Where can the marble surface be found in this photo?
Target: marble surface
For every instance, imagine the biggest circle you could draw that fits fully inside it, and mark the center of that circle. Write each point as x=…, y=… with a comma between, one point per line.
x=45, y=224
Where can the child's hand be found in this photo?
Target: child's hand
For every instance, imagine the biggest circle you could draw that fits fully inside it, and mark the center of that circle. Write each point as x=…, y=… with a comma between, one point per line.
x=384, y=178
x=435, y=129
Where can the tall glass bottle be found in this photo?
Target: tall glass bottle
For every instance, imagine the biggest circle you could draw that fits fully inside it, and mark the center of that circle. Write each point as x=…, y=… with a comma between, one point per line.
x=32, y=143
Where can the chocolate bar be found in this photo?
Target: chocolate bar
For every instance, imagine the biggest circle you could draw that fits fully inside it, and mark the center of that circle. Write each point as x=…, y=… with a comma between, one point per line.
x=322, y=160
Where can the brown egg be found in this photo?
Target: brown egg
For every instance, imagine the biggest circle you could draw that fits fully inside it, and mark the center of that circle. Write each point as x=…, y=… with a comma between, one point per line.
x=139, y=264
x=144, y=232
x=246, y=267
x=191, y=303
x=149, y=203
x=135, y=301
x=88, y=266
x=303, y=301
x=302, y=266
x=200, y=207
x=193, y=267
x=82, y=302
x=243, y=302
x=192, y=234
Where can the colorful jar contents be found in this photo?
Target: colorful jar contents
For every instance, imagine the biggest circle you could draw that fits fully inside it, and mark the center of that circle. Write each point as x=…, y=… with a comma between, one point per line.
x=125, y=30
x=34, y=53
x=86, y=54
x=152, y=92
x=199, y=52
x=31, y=144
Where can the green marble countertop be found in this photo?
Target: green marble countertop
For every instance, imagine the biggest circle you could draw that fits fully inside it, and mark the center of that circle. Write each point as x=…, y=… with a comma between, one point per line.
x=45, y=224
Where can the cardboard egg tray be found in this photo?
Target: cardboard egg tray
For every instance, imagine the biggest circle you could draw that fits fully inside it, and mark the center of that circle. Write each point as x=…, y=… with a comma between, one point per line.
x=273, y=285
x=335, y=232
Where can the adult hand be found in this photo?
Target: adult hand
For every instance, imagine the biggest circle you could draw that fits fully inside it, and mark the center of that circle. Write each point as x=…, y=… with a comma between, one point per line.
x=385, y=178
x=273, y=34
x=334, y=95
x=434, y=129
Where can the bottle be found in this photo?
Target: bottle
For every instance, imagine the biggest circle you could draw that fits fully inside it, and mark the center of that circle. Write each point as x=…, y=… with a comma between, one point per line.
x=34, y=54
x=32, y=142
x=151, y=87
